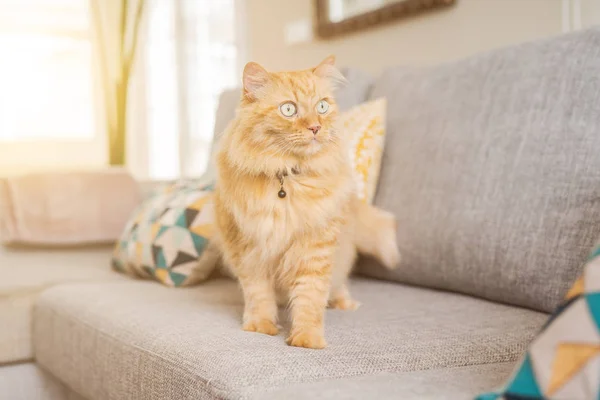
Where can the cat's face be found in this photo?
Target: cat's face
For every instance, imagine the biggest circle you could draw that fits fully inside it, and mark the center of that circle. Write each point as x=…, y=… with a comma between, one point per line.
x=291, y=112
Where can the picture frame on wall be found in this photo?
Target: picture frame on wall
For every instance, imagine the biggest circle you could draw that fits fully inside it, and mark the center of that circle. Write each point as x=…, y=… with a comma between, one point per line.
x=338, y=17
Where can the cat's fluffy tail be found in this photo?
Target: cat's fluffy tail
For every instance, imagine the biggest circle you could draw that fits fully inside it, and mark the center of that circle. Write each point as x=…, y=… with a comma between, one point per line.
x=375, y=234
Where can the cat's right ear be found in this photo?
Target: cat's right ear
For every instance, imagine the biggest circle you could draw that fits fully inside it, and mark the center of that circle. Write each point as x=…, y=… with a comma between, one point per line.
x=327, y=70
x=255, y=79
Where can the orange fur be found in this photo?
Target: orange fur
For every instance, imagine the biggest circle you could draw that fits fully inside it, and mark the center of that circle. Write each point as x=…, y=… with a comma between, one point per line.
x=303, y=245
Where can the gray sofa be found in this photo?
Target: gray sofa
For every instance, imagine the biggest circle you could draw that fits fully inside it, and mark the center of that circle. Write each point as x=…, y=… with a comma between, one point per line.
x=491, y=166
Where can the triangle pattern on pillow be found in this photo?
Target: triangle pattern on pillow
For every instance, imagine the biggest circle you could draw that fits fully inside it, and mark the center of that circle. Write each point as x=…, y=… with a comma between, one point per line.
x=167, y=234
x=563, y=361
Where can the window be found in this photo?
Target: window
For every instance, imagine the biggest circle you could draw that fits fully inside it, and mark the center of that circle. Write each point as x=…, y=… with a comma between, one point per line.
x=47, y=106
x=50, y=103
x=45, y=72
x=190, y=57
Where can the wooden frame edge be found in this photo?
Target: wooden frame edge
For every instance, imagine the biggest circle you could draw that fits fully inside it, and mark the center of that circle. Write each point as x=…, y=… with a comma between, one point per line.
x=326, y=29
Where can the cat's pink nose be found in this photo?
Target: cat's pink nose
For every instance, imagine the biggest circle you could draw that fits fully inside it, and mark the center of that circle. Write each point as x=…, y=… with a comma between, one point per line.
x=315, y=129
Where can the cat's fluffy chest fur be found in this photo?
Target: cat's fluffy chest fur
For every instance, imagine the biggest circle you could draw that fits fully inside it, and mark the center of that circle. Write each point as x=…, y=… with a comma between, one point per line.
x=271, y=223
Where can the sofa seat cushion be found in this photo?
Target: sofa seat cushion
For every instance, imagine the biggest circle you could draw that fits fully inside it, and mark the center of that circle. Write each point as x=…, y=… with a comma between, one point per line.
x=459, y=383
x=25, y=273
x=141, y=340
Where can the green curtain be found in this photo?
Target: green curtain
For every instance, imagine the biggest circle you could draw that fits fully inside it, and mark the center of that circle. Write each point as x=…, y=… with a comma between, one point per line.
x=116, y=26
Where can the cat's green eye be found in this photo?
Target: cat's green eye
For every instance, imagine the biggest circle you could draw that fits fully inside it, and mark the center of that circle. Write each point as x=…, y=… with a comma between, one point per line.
x=322, y=106
x=288, y=109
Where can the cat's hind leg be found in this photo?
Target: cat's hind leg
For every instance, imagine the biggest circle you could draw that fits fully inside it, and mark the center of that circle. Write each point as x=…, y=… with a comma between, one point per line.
x=339, y=296
x=340, y=299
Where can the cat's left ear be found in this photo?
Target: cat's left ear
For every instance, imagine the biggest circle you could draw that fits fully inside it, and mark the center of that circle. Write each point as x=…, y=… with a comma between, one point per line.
x=327, y=70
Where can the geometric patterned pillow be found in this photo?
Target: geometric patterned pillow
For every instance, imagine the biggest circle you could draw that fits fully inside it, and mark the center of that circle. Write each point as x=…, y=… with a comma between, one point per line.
x=168, y=234
x=563, y=361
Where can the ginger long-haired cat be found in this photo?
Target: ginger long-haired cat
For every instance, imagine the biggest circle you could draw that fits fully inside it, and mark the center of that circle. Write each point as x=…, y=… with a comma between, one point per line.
x=288, y=219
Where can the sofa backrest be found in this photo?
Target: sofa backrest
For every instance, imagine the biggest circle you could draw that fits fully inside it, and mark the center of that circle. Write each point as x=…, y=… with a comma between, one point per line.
x=492, y=167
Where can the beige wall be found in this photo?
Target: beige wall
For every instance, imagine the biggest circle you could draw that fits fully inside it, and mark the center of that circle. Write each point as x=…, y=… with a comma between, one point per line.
x=469, y=27
x=590, y=12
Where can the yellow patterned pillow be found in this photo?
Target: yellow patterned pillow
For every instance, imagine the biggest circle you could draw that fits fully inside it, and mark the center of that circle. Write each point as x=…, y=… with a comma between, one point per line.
x=365, y=125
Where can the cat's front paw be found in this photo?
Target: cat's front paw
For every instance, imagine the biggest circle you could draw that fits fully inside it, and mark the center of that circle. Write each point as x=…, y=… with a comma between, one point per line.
x=308, y=338
x=261, y=326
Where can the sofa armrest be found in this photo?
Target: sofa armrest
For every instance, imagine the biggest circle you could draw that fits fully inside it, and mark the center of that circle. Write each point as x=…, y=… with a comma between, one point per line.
x=67, y=208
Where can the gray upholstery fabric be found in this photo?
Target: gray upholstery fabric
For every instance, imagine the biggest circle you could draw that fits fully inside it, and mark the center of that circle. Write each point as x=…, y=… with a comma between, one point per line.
x=355, y=91
x=461, y=383
x=347, y=96
x=29, y=382
x=492, y=167
x=141, y=340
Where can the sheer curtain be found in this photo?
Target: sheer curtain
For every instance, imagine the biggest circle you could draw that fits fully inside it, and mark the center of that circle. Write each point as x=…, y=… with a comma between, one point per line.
x=116, y=27
x=192, y=53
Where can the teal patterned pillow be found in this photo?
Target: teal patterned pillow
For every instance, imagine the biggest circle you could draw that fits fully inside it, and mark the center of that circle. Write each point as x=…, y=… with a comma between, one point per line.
x=167, y=235
x=563, y=361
